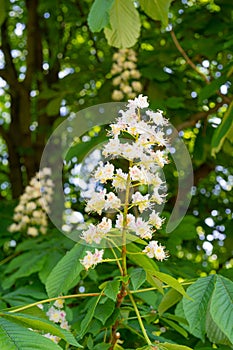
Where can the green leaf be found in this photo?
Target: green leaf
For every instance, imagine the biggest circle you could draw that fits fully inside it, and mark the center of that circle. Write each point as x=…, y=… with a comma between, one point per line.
x=175, y=102
x=15, y=337
x=125, y=24
x=168, y=346
x=214, y=333
x=98, y=17
x=65, y=274
x=138, y=277
x=195, y=310
x=154, y=282
x=175, y=326
x=221, y=307
x=222, y=132
x=111, y=290
x=51, y=260
x=141, y=259
x=25, y=265
x=101, y=346
x=53, y=107
x=89, y=315
x=172, y=282
x=105, y=310
x=24, y=295
x=40, y=324
x=157, y=9
x=171, y=298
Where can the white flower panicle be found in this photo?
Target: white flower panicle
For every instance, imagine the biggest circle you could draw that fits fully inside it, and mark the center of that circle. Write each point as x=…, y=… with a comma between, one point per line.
x=30, y=214
x=125, y=75
x=57, y=314
x=144, y=150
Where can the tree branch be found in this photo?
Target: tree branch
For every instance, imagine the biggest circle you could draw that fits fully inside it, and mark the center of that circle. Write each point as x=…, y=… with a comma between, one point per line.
x=193, y=66
x=197, y=116
x=34, y=46
x=8, y=73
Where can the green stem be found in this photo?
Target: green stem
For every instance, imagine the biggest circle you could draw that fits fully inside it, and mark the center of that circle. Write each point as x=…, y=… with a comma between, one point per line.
x=54, y=299
x=139, y=319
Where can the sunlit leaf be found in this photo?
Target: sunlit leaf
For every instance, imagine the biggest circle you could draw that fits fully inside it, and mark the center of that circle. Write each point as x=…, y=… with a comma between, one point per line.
x=169, y=299
x=15, y=337
x=195, y=310
x=66, y=273
x=125, y=24
x=221, y=307
x=157, y=9
x=138, y=276
x=98, y=17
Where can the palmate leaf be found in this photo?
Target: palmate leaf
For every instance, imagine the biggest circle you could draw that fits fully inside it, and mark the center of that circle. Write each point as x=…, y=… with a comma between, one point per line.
x=16, y=337
x=111, y=288
x=89, y=316
x=195, y=310
x=104, y=310
x=138, y=277
x=125, y=24
x=22, y=266
x=221, y=307
x=157, y=9
x=169, y=299
x=98, y=17
x=37, y=323
x=172, y=282
x=214, y=333
x=169, y=346
x=66, y=273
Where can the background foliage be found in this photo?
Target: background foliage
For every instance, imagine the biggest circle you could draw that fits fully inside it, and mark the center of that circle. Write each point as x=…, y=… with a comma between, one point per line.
x=55, y=59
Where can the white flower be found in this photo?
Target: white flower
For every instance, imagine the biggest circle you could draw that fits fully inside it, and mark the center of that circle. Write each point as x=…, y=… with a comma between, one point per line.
x=137, y=86
x=142, y=229
x=32, y=231
x=139, y=102
x=112, y=201
x=30, y=206
x=97, y=202
x=113, y=147
x=117, y=95
x=56, y=315
x=138, y=174
x=91, y=235
x=104, y=172
x=130, y=221
x=54, y=338
x=13, y=228
x=65, y=325
x=156, y=197
x=157, y=117
x=104, y=226
x=91, y=260
x=159, y=158
x=119, y=180
x=59, y=303
x=155, y=220
x=141, y=201
x=155, y=250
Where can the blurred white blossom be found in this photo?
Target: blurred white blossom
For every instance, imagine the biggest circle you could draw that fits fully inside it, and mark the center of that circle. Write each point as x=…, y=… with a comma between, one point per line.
x=125, y=75
x=30, y=214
